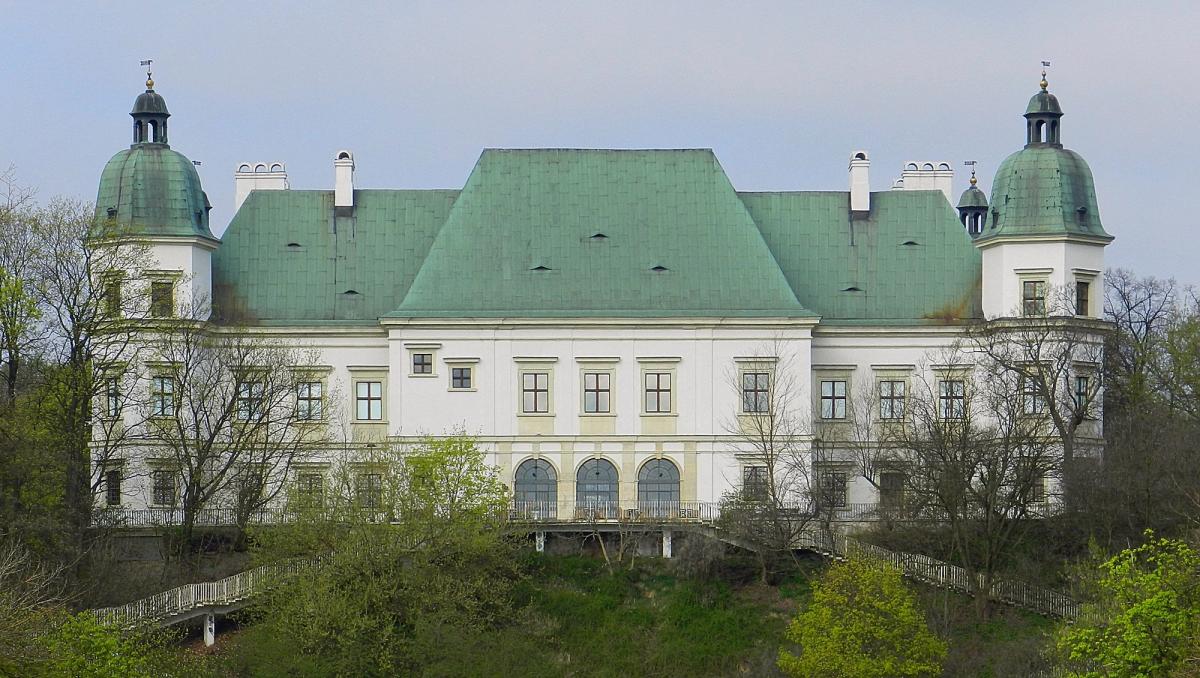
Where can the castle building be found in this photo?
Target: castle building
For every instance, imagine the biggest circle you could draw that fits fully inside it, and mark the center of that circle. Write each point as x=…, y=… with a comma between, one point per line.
x=601, y=320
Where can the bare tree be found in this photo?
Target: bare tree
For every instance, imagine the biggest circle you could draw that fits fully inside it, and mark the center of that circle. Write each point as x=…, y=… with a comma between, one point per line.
x=31, y=594
x=222, y=409
x=775, y=503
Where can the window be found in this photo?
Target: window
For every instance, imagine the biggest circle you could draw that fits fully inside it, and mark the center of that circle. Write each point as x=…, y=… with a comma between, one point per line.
x=112, y=298
x=310, y=406
x=1033, y=297
x=755, y=483
x=891, y=489
x=596, y=487
x=310, y=489
x=658, y=486
x=833, y=399
x=596, y=392
x=1030, y=481
x=1032, y=400
x=891, y=399
x=163, y=487
x=460, y=378
x=162, y=396
x=249, y=401
x=422, y=363
x=162, y=299
x=369, y=489
x=368, y=400
x=535, y=392
x=535, y=488
x=112, y=397
x=658, y=392
x=1082, y=290
x=833, y=488
x=756, y=388
x=952, y=399
x=112, y=487
x=1083, y=395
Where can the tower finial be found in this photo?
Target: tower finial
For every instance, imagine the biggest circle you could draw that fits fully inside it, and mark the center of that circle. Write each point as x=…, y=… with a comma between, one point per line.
x=1043, y=83
x=971, y=164
x=149, y=79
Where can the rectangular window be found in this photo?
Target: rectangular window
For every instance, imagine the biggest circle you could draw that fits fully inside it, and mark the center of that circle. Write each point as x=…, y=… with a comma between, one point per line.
x=658, y=392
x=535, y=392
x=754, y=483
x=249, y=402
x=1031, y=481
x=891, y=489
x=756, y=389
x=833, y=399
x=370, y=490
x=163, y=487
x=422, y=363
x=112, y=397
x=368, y=400
x=162, y=299
x=460, y=378
x=310, y=405
x=1083, y=396
x=833, y=487
x=112, y=298
x=1082, y=303
x=952, y=401
x=310, y=489
x=162, y=396
x=1033, y=297
x=891, y=399
x=596, y=392
x=1032, y=400
x=112, y=487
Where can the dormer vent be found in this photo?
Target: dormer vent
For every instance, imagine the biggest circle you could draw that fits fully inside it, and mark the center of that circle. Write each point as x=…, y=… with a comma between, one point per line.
x=660, y=268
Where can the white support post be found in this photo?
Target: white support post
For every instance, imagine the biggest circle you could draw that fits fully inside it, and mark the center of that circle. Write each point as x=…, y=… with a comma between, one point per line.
x=666, y=544
x=540, y=540
x=210, y=629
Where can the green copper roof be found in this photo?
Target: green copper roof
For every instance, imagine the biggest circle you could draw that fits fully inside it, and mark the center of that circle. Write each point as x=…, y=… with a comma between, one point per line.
x=150, y=102
x=1043, y=103
x=910, y=260
x=153, y=190
x=569, y=233
x=972, y=197
x=285, y=257
x=1044, y=190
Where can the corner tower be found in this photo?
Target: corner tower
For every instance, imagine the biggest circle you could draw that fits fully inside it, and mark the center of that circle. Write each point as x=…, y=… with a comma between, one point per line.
x=153, y=194
x=1043, y=244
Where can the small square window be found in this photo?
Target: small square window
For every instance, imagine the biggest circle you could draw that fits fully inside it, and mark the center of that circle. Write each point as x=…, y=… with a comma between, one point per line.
x=310, y=406
x=162, y=299
x=658, y=392
x=833, y=399
x=422, y=363
x=460, y=378
x=596, y=392
x=368, y=400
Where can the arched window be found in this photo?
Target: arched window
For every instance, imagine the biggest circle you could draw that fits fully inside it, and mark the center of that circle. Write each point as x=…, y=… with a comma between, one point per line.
x=151, y=131
x=535, y=489
x=596, y=487
x=658, y=487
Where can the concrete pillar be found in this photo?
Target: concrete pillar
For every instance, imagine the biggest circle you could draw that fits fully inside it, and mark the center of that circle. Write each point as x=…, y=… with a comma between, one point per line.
x=666, y=544
x=210, y=629
x=539, y=538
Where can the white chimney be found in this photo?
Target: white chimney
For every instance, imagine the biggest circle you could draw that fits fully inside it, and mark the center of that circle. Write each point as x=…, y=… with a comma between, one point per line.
x=343, y=183
x=860, y=183
x=928, y=176
x=257, y=176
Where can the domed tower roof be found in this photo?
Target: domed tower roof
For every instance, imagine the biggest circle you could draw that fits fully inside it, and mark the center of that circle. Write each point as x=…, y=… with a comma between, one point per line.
x=1043, y=189
x=149, y=189
x=972, y=197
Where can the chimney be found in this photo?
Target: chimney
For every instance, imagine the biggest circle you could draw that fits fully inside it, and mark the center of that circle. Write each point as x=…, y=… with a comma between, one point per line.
x=860, y=185
x=343, y=184
x=927, y=176
x=257, y=176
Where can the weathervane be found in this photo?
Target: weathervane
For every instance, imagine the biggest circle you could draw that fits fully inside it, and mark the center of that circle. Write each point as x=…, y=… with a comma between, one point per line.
x=1044, y=84
x=149, y=80
x=971, y=164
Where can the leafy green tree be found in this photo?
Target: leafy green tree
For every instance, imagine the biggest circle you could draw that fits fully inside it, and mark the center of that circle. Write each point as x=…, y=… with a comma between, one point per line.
x=82, y=647
x=412, y=557
x=1146, y=615
x=863, y=622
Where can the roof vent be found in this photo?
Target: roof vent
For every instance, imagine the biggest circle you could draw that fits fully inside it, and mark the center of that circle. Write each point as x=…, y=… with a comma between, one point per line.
x=112, y=212
x=660, y=268
x=599, y=236
x=350, y=292
x=294, y=245
x=852, y=289
x=910, y=243
x=541, y=268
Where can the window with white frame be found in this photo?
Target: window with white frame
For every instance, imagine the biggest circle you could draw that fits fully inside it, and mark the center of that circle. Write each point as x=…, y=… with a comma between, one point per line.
x=1032, y=399
x=597, y=392
x=756, y=392
x=1033, y=297
x=249, y=401
x=833, y=399
x=162, y=485
x=461, y=378
x=535, y=392
x=310, y=402
x=112, y=397
x=368, y=400
x=891, y=398
x=657, y=392
x=162, y=396
x=952, y=398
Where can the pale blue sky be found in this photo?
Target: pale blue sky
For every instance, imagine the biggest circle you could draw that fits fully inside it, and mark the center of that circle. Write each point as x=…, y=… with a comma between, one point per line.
x=783, y=92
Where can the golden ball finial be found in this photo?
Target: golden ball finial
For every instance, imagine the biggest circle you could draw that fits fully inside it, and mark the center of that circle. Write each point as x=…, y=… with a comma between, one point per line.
x=973, y=179
x=149, y=83
x=1043, y=83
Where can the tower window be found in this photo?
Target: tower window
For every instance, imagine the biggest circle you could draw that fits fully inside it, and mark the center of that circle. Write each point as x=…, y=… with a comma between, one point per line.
x=1082, y=292
x=1033, y=297
x=162, y=299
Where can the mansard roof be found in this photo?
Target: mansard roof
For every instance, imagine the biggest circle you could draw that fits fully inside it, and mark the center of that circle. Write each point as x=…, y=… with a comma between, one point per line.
x=595, y=233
